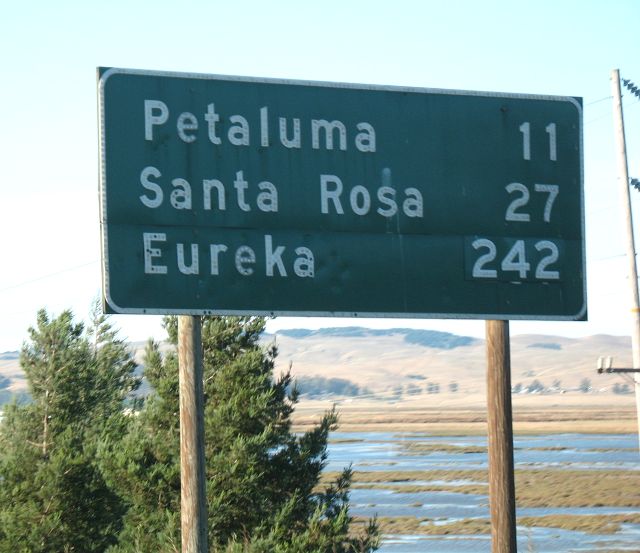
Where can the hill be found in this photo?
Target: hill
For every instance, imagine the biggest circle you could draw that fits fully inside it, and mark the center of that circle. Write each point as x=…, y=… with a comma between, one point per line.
x=402, y=363
x=389, y=360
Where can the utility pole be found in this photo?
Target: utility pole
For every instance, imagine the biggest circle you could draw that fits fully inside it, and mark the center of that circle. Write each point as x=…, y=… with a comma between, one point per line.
x=623, y=175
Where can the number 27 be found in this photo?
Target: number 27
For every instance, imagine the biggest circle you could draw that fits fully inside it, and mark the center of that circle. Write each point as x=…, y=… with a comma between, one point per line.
x=512, y=213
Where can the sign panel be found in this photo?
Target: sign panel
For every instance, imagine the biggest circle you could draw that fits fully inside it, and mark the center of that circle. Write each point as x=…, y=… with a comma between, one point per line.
x=237, y=195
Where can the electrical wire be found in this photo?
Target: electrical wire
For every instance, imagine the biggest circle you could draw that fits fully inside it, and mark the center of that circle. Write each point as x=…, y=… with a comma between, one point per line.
x=598, y=101
x=43, y=277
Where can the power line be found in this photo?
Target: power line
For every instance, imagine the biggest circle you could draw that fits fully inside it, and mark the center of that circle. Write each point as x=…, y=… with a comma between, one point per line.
x=597, y=119
x=43, y=277
x=609, y=112
x=598, y=101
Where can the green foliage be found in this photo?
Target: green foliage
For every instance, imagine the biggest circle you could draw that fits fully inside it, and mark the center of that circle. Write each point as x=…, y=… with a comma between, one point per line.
x=546, y=345
x=621, y=388
x=536, y=386
x=433, y=388
x=426, y=338
x=436, y=339
x=78, y=472
x=315, y=386
x=262, y=479
x=52, y=495
x=585, y=385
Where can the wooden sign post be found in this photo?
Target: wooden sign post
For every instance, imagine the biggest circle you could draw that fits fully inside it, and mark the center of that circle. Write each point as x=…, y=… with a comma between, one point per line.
x=193, y=499
x=502, y=496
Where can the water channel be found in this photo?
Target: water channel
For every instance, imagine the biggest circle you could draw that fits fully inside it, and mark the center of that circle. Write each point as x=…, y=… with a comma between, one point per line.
x=387, y=451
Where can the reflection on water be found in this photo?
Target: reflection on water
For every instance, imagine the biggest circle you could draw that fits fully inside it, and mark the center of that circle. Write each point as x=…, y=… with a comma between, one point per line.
x=436, y=505
x=540, y=540
x=384, y=451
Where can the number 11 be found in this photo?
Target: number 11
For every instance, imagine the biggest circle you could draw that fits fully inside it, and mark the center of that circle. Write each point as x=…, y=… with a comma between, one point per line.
x=525, y=129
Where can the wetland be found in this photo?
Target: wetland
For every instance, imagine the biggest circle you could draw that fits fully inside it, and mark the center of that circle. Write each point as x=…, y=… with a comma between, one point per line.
x=575, y=490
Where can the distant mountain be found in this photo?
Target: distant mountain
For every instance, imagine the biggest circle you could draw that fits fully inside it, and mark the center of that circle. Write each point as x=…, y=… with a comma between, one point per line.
x=9, y=355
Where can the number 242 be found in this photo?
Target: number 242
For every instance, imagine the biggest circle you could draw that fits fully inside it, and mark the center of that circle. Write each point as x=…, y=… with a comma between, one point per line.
x=515, y=260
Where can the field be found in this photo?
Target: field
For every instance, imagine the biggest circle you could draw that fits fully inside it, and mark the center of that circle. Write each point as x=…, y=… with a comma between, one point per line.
x=453, y=414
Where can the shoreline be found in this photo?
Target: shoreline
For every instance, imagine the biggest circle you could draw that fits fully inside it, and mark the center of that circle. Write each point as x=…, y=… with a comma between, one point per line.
x=532, y=416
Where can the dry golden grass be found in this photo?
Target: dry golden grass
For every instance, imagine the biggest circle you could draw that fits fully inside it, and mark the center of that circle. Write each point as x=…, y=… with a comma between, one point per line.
x=592, y=524
x=573, y=488
x=415, y=526
x=473, y=489
x=417, y=448
x=532, y=418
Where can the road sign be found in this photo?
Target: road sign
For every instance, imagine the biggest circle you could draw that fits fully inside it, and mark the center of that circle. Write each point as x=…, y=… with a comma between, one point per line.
x=240, y=195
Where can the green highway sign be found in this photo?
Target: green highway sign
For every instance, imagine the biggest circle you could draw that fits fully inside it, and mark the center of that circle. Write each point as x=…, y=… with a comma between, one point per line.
x=237, y=195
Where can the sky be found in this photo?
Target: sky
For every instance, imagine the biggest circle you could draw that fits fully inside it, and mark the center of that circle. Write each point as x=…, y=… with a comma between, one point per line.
x=49, y=211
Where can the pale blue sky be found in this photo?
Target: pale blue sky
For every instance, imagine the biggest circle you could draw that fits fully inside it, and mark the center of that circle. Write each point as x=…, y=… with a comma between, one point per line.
x=49, y=233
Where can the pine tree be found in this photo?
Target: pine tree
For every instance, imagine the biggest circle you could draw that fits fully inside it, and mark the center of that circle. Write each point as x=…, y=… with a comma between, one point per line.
x=52, y=495
x=262, y=480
